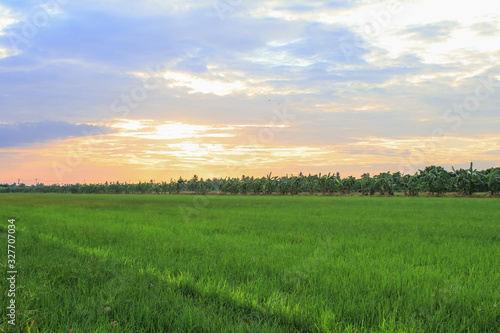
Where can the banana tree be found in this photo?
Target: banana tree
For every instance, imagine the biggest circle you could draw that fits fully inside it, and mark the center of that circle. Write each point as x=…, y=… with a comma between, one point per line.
x=323, y=183
x=494, y=181
x=352, y=184
x=333, y=184
x=283, y=186
x=256, y=185
x=466, y=181
x=460, y=180
x=384, y=183
x=347, y=185
x=435, y=179
x=295, y=183
x=234, y=186
x=411, y=185
x=269, y=184
x=366, y=184
x=311, y=183
x=442, y=182
x=179, y=185
x=201, y=187
x=245, y=184
x=225, y=185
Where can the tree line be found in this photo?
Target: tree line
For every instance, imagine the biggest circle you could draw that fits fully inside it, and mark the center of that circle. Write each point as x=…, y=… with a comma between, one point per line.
x=434, y=180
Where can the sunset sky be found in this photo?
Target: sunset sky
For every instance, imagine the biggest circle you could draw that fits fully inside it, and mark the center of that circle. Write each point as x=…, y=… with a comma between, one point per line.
x=100, y=91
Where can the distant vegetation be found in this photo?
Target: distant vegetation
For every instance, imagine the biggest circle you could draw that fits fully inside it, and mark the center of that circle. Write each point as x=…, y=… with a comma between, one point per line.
x=434, y=180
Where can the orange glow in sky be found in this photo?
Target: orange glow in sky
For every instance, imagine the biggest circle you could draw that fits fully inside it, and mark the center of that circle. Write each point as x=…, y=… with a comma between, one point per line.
x=143, y=150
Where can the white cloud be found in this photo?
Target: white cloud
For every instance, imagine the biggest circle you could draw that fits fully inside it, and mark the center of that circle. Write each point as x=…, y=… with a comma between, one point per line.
x=202, y=85
x=147, y=7
x=6, y=19
x=4, y=52
x=431, y=12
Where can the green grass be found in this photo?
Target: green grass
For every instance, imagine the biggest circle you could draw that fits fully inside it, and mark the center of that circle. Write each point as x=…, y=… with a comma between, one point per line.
x=252, y=264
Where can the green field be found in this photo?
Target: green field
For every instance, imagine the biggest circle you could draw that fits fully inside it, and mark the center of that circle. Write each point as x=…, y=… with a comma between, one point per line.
x=167, y=263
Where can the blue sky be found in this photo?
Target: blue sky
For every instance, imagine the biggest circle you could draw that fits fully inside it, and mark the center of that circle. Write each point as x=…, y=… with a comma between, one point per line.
x=364, y=87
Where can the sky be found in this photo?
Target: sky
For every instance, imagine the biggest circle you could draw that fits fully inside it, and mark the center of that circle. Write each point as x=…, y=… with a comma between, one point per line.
x=94, y=91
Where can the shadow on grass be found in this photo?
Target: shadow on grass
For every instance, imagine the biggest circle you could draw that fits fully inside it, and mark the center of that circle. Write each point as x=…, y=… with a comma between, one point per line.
x=228, y=302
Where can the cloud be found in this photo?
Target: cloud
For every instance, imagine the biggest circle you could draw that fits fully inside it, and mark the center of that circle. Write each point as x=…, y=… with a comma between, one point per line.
x=486, y=28
x=6, y=19
x=15, y=135
x=324, y=43
x=316, y=5
x=338, y=80
x=431, y=33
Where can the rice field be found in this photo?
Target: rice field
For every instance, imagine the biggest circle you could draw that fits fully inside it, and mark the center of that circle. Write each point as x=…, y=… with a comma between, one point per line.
x=186, y=263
